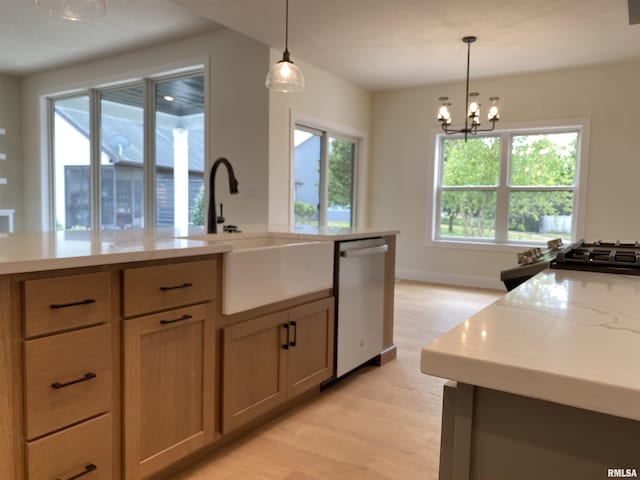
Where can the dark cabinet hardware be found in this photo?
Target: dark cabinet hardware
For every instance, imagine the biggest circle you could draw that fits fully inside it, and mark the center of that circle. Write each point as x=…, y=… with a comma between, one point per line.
x=181, y=319
x=87, y=376
x=88, y=301
x=184, y=285
x=88, y=469
x=295, y=334
x=286, y=344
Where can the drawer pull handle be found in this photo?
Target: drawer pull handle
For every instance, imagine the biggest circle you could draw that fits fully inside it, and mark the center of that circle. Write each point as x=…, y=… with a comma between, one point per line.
x=88, y=301
x=87, y=376
x=286, y=344
x=181, y=319
x=295, y=334
x=88, y=469
x=184, y=285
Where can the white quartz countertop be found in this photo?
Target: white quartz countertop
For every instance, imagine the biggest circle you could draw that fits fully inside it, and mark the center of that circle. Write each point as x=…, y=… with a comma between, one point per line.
x=30, y=252
x=335, y=234
x=565, y=336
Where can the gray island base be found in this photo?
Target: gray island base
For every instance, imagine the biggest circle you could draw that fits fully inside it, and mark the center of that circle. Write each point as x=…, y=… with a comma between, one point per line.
x=493, y=435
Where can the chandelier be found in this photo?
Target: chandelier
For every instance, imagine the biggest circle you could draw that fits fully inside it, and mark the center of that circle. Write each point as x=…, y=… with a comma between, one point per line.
x=472, y=120
x=74, y=10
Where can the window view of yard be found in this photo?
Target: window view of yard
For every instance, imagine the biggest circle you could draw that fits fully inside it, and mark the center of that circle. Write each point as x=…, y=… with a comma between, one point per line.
x=315, y=175
x=539, y=192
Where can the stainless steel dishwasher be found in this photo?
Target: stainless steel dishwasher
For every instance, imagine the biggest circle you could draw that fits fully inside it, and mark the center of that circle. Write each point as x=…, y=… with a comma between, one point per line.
x=360, y=302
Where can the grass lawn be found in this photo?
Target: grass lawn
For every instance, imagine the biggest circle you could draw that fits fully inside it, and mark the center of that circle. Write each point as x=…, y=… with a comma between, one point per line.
x=489, y=234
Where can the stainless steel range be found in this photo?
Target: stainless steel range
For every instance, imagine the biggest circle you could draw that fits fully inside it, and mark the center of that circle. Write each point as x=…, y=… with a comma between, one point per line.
x=606, y=257
x=600, y=256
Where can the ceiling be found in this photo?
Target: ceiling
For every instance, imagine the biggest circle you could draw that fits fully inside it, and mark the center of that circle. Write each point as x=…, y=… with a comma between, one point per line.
x=378, y=44
x=34, y=41
x=385, y=44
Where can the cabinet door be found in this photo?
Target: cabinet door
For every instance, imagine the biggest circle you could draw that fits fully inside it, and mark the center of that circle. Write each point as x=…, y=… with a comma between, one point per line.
x=169, y=402
x=254, y=368
x=312, y=342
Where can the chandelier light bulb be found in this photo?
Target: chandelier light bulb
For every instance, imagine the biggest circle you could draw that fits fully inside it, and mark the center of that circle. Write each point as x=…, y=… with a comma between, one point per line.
x=494, y=113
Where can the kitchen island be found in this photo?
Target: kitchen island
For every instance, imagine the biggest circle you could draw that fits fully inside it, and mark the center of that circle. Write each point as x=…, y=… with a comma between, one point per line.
x=118, y=361
x=548, y=382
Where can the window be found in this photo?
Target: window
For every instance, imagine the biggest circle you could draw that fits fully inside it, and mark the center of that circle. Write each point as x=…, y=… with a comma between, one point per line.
x=513, y=187
x=324, y=173
x=111, y=146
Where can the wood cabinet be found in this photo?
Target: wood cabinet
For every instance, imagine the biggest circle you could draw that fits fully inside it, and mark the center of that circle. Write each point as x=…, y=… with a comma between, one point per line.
x=169, y=387
x=68, y=373
x=310, y=359
x=67, y=379
x=161, y=287
x=272, y=358
x=82, y=451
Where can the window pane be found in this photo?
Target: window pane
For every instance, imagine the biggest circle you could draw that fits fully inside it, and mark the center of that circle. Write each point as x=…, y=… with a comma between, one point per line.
x=540, y=216
x=544, y=160
x=341, y=158
x=468, y=213
x=307, y=153
x=122, y=158
x=180, y=152
x=474, y=162
x=71, y=158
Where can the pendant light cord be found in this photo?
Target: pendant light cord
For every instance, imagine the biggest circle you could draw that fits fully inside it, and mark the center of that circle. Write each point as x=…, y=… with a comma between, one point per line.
x=286, y=28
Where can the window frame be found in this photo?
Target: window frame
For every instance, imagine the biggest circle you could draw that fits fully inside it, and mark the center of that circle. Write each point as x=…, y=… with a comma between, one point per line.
x=329, y=130
x=503, y=188
x=148, y=81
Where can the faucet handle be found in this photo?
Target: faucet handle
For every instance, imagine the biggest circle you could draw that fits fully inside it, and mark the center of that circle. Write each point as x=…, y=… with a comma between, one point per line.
x=220, y=218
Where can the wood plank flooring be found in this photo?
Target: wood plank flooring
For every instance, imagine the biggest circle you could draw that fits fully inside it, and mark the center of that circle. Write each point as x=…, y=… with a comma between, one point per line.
x=378, y=423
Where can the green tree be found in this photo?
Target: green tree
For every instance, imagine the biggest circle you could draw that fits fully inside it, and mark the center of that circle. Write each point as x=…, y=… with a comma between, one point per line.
x=473, y=163
x=340, y=180
x=197, y=213
x=540, y=161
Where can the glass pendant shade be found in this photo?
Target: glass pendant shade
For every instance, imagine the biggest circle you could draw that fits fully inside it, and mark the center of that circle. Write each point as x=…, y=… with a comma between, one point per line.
x=74, y=10
x=285, y=76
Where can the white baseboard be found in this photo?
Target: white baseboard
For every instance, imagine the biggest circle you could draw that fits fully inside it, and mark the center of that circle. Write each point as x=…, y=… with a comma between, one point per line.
x=451, y=279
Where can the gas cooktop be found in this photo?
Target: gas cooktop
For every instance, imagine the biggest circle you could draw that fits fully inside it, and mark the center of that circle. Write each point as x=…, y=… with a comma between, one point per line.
x=609, y=257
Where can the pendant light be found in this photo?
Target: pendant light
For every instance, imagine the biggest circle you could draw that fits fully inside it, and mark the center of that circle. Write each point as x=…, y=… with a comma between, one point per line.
x=74, y=10
x=285, y=76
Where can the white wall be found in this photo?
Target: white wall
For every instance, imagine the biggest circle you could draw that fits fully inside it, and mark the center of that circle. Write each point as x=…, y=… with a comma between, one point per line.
x=11, y=145
x=402, y=154
x=238, y=112
x=327, y=99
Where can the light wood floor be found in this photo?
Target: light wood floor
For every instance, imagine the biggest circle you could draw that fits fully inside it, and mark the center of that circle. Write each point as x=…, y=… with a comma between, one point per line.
x=377, y=423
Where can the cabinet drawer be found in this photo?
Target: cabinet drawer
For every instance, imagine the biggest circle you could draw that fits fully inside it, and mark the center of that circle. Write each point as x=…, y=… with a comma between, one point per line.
x=71, y=452
x=61, y=303
x=67, y=379
x=151, y=289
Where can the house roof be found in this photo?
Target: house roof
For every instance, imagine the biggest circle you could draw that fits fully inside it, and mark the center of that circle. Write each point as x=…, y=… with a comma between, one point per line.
x=122, y=140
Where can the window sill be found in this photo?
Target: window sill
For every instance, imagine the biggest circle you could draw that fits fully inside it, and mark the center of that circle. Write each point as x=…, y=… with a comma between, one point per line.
x=486, y=246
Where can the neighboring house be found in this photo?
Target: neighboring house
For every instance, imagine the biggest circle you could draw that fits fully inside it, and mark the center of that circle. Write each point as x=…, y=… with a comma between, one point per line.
x=307, y=171
x=122, y=154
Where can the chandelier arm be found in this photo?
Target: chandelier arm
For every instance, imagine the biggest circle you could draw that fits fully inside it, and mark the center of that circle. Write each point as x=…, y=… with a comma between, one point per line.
x=451, y=132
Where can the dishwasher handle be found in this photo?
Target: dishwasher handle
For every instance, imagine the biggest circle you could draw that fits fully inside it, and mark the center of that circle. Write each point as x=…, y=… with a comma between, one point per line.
x=358, y=252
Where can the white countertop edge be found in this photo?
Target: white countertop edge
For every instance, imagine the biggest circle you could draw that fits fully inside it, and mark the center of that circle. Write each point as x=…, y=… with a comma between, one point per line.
x=44, y=264
x=576, y=392
x=14, y=259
